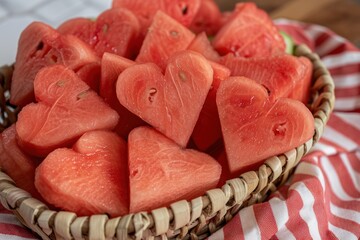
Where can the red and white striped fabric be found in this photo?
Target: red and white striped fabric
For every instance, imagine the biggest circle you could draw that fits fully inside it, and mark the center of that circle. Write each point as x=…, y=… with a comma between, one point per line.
x=322, y=200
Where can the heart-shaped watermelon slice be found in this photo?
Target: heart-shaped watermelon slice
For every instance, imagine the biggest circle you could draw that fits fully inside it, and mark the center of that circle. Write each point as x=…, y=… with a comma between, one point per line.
x=170, y=103
x=255, y=126
x=160, y=171
x=115, y=30
x=91, y=178
x=66, y=108
x=40, y=46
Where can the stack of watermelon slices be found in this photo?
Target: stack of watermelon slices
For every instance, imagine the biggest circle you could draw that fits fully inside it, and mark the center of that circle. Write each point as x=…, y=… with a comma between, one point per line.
x=151, y=103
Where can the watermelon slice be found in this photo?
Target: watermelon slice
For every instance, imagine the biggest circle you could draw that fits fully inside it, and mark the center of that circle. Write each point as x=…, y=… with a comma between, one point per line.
x=66, y=109
x=170, y=103
x=281, y=74
x=183, y=11
x=207, y=130
x=41, y=46
x=172, y=36
x=255, y=126
x=249, y=32
x=201, y=44
x=161, y=172
x=91, y=178
x=115, y=30
x=208, y=18
x=14, y=162
x=111, y=67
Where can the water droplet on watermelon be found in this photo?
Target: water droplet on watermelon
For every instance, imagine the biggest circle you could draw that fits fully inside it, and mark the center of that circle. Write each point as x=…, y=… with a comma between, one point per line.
x=94, y=40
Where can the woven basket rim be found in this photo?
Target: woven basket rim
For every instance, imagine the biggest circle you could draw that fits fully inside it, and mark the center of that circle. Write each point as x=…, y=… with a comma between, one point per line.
x=195, y=219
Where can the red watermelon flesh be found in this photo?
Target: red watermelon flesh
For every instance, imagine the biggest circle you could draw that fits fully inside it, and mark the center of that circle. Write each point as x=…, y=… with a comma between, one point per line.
x=91, y=178
x=92, y=73
x=83, y=28
x=255, y=126
x=280, y=74
x=170, y=103
x=41, y=46
x=207, y=130
x=249, y=32
x=208, y=18
x=201, y=44
x=161, y=172
x=115, y=30
x=66, y=108
x=14, y=162
x=301, y=90
x=112, y=66
x=165, y=37
x=183, y=11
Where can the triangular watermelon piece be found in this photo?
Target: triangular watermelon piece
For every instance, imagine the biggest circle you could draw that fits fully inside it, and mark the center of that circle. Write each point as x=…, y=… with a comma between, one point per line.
x=91, y=178
x=165, y=37
x=161, y=172
x=249, y=32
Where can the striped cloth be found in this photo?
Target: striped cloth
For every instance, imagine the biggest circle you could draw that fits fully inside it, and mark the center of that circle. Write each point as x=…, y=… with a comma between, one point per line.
x=322, y=200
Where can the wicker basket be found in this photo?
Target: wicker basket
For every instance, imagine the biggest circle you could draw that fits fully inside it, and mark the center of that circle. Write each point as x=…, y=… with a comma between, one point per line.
x=195, y=219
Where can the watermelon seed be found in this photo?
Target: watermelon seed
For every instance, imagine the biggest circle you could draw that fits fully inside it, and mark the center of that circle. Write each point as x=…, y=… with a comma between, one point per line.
x=174, y=33
x=184, y=10
x=267, y=89
x=152, y=93
x=60, y=83
x=40, y=46
x=82, y=94
x=182, y=76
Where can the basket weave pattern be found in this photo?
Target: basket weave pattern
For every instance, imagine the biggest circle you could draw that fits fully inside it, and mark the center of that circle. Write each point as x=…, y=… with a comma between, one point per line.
x=195, y=219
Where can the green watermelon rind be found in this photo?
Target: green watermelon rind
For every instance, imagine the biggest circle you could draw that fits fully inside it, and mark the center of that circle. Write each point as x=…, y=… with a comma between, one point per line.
x=289, y=42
